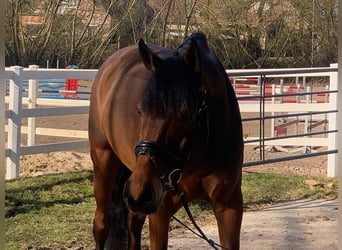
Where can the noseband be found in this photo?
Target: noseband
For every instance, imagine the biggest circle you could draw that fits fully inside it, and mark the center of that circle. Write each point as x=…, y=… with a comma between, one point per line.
x=154, y=150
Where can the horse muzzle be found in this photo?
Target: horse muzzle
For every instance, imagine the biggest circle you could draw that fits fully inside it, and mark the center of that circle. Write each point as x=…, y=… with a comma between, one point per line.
x=146, y=201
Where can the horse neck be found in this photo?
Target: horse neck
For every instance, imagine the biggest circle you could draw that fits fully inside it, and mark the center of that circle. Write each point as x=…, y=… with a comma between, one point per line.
x=223, y=110
x=223, y=125
x=221, y=99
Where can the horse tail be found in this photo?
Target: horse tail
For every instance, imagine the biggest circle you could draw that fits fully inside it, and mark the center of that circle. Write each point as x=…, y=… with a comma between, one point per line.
x=118, y=233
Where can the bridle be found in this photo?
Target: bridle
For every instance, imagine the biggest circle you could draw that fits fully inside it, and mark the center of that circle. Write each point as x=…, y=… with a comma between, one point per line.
x=154, y=151
x=171, y=180
x=157, y=151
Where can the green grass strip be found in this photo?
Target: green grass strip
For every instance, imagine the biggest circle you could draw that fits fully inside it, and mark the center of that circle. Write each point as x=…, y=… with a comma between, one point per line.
x=56, y=211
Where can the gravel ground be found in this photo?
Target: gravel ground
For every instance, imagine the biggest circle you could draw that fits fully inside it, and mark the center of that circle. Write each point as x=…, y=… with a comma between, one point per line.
x=300, y=224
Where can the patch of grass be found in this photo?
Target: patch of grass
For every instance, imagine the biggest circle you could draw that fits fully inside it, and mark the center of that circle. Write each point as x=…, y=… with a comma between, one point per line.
x=262, y=189
x=56, y=211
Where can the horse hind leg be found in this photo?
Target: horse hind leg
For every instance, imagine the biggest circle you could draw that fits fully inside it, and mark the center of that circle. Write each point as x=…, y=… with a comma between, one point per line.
x=135, y=224
x=117, y=235
x=126, y=226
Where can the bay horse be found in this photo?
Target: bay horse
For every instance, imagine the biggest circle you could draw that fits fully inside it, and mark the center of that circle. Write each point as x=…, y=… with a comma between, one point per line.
x=161, y=121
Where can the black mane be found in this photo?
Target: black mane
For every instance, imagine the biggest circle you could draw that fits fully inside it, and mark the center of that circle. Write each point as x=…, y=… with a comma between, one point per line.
x=173, y=90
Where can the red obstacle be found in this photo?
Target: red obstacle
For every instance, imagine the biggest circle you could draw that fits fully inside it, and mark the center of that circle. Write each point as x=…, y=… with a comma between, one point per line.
x=71, y=85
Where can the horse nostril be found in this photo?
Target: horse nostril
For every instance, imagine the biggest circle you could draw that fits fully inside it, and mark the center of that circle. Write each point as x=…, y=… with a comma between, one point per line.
x=147, y=196
x=147, y=201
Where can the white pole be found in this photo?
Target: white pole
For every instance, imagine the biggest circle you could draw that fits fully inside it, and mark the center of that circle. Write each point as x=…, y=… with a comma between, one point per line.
x=326, y=100
x=273, y=102
x=281, y=90
x=306, y=119
x=2, y=134
x=297, y=101
x=335, y=141
x=32, y=103
x=339, y=122
x=14, y=123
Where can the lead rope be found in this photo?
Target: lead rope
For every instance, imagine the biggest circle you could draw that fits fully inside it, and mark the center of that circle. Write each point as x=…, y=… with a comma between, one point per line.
x=199, y=233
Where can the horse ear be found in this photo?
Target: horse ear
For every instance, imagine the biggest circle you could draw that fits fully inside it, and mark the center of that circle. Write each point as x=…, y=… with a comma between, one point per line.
x=150, y=59
x=192, y=57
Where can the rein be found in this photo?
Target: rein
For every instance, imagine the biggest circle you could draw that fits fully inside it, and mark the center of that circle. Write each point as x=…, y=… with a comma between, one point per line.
x=171, y=180
x=199, y=232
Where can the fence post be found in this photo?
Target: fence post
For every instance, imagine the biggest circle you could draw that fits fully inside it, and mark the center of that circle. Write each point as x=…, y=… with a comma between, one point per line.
x=307, y=118
x=273, y=102
x=297, y=101
x=2, y=123
x=326, y=100
x=281, y=90
x=32, y=103
x=2, y=145
x=334, y=159
x=14, y=123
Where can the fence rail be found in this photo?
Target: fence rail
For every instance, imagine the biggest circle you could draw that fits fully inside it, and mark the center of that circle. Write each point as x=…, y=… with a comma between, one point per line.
x=266, y=107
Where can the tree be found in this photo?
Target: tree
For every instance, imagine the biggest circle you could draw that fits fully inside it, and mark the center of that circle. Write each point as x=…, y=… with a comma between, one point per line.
x=40, y=32
x=80, y=34
x=243, y=33
x=318, y=28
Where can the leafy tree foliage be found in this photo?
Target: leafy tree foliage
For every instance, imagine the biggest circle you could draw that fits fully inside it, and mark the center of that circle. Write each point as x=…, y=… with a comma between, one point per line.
x=243, y=33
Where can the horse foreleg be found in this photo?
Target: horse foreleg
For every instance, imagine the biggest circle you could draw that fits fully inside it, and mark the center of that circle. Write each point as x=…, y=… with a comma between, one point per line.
x=135, y=224
x=104, y=175
x=229, y=216
x=159, y=229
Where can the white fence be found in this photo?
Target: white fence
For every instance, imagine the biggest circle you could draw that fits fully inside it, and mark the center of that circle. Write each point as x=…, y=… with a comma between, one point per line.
x=15, y=112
